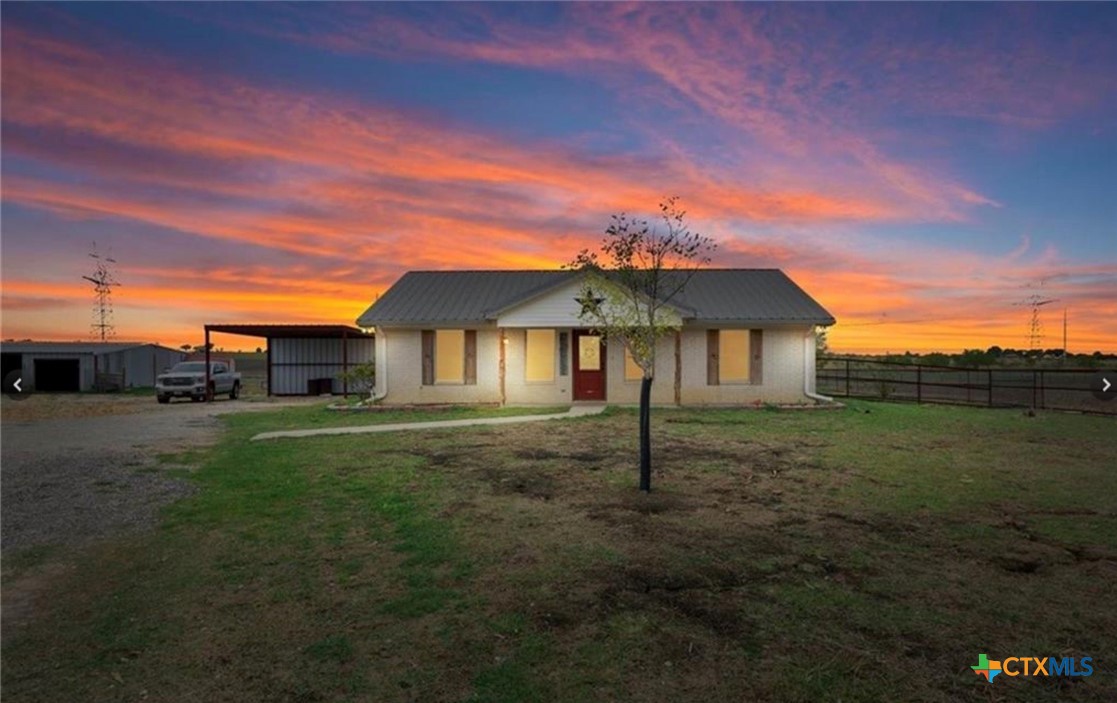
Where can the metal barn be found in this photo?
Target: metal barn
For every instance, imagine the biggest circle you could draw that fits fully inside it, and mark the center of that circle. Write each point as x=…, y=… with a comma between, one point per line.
x=307, y=359
x=84, y=366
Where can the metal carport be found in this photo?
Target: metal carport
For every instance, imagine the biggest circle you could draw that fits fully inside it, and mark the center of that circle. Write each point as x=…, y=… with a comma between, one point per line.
x=305, y=347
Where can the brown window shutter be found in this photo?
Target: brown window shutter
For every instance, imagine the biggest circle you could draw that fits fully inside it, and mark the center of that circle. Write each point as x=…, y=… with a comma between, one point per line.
x=712, y=374
x=756, y=364
x=471, y=357
x=428, y=357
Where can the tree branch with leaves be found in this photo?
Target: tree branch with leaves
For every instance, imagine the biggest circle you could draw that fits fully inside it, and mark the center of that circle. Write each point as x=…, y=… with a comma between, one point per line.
x=632, y=288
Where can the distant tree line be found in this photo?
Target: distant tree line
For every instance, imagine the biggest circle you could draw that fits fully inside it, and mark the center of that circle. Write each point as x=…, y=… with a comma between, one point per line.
x=997, y=356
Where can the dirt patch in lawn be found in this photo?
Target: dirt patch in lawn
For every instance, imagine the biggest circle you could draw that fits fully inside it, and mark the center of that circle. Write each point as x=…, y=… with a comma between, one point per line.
x=744, y=539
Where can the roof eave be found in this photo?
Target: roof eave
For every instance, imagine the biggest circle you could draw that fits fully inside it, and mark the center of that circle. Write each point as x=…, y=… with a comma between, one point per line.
x=766, y=322
x=427, y=324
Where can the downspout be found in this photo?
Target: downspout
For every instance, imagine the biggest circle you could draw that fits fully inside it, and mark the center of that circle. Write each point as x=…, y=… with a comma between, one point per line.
x=808, y=368
x=380, y=356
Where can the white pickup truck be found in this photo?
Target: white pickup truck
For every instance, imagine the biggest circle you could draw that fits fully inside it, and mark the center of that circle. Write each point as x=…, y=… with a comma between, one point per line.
x=187, y=379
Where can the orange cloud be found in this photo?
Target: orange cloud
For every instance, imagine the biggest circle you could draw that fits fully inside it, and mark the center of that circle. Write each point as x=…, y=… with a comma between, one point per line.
x=723, y=60
x=360, y=192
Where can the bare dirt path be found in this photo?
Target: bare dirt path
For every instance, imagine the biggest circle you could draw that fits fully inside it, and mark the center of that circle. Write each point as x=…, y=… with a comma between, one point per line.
x=75, y=469
x=71, y=478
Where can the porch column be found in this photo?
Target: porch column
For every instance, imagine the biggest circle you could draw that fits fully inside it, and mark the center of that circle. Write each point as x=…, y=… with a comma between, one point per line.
x=344, y=364
x=209, y=396
x=503, y=343
x=678, y=367
x=268, y=362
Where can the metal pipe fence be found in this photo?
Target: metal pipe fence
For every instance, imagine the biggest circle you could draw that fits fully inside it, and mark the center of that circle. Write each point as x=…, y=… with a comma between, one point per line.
x=1039, y=388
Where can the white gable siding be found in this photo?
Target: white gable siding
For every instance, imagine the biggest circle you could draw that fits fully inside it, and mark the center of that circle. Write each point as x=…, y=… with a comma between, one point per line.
x=555, y=309
x=559, y=309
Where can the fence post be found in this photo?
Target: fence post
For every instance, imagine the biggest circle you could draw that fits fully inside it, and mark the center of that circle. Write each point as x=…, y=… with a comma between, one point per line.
x=990, y=372
x=969, y=388
x=847, y=377
x=1042, y=392
x=918, y=384
x=1035, y=389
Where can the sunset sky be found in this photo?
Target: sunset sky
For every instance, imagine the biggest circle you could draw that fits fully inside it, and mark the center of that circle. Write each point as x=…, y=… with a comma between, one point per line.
x=917, y=168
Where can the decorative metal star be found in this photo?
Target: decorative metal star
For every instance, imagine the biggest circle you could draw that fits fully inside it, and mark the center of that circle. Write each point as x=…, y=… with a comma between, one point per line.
x=589, y=303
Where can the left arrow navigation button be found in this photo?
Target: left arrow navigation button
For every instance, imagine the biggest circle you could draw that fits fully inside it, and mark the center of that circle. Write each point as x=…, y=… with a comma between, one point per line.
x=14, y=386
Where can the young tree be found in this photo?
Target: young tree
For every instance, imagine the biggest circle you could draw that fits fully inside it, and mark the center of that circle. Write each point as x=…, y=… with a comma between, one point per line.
x=628, y=288
x=822, y=340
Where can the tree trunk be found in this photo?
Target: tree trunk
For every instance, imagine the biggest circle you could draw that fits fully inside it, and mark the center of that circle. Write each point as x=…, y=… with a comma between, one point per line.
x=645, y=435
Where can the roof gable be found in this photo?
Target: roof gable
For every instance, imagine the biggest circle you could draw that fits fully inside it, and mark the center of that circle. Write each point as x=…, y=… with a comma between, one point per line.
x=560, y=306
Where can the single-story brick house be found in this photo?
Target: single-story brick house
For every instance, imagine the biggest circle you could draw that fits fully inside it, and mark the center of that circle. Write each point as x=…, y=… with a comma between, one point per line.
x=515, y=337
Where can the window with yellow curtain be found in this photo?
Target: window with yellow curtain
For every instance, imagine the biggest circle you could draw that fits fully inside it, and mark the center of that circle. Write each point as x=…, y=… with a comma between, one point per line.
x=734, y=356
x=449, y=356
x=632, y=370
x=539, y=356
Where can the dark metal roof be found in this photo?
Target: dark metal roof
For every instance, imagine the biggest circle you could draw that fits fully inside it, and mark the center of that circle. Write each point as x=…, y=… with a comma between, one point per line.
x=750, y=295
x=290, y=331
x=475, y=297
x=96, y=348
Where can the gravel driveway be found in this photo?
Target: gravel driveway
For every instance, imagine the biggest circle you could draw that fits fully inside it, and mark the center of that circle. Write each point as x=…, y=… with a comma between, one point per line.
x=72, y=479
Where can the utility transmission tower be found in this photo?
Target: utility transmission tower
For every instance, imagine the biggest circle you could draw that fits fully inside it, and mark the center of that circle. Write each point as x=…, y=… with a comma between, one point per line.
x=1035, y=301
x=103, y=280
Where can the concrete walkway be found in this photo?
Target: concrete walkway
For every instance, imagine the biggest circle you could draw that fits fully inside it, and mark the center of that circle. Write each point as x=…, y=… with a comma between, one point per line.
x=575, y=411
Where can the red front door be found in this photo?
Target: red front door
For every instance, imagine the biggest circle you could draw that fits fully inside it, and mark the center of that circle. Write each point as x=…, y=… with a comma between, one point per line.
x=589, y=366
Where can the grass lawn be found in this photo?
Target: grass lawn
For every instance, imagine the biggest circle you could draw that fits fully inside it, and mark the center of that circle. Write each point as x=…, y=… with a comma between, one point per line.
x=864, y=554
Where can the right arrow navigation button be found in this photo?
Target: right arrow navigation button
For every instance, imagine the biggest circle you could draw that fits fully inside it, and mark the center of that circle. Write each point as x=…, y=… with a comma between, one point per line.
x=1103, y=385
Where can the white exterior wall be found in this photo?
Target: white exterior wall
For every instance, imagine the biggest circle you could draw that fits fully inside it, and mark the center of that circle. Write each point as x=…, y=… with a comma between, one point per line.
x=519, y=391
x=787, y=360
x=783, y=371
x=404, y=377
x=622, y=392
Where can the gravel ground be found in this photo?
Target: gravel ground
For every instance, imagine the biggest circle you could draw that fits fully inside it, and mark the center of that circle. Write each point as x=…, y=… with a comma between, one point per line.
x=73, y=479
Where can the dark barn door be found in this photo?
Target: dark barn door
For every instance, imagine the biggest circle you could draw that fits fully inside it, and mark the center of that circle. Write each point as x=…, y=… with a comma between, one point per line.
x=589, y=366
x=58, y=375
x=11, y=362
